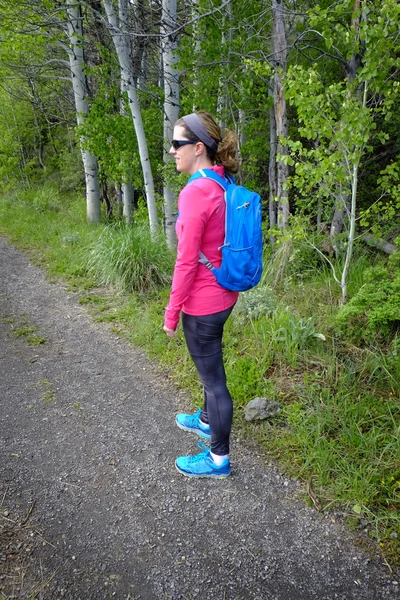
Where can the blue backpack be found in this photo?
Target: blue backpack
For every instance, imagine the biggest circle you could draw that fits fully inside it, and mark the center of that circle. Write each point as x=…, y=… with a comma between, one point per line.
x=241, y=266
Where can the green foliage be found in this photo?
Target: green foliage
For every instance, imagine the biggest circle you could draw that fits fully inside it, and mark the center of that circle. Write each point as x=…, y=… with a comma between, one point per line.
x=339, y=114
x=347, y=440
x=336, y=128
x=386, y=210
x=68, y=166
x=130, y=258
x=52, y=225
x=109, y=135
x=374, y=311
x=255, y=303
x=283, y=333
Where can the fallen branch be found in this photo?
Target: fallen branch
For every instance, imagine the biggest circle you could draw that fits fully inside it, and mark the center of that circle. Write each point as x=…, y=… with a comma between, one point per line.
x=378, y=243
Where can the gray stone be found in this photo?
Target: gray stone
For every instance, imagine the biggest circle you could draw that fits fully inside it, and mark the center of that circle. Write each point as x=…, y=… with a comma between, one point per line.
x=261, y=408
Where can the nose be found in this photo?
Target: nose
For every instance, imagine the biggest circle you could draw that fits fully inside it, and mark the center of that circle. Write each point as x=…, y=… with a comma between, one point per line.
x=172, y=150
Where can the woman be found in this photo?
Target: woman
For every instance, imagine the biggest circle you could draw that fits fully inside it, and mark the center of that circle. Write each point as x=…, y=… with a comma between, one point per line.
x=204, y=304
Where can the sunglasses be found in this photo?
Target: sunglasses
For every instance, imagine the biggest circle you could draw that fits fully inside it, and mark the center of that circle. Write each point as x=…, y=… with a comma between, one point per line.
x=176, y=144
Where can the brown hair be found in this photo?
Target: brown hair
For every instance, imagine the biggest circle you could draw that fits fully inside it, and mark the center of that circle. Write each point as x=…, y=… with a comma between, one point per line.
x=227, y=153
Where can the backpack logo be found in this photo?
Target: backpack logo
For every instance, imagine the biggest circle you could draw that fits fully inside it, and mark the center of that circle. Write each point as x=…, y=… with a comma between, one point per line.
x=241, y=266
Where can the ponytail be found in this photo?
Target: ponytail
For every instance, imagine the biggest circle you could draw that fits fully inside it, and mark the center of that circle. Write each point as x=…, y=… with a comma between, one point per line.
x=226, y=150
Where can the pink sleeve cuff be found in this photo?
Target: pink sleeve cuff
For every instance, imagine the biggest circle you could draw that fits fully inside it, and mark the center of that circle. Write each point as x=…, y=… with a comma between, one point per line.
x=171, y=318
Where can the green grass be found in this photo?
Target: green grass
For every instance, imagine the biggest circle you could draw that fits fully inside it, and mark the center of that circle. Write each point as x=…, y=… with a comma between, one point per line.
x=340, y=420
x=130, y=259
x=53, y=232
x=28, y=333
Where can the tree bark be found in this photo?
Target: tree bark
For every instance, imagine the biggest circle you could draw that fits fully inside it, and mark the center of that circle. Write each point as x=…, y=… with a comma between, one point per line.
x=127, y=191
x=378, y=243
x=196, y=36
x=121, y=36
x=171, y=108
x=225, y=51
x=272, y=204
x=77, y=62
x=344, y=203
x=279, y=52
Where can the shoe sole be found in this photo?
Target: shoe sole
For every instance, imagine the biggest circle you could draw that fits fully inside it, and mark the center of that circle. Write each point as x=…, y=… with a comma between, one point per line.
x=197, y=476
x=202, y=434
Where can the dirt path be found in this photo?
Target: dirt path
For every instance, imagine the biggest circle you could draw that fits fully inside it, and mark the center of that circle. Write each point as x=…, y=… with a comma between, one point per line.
x=91, y=504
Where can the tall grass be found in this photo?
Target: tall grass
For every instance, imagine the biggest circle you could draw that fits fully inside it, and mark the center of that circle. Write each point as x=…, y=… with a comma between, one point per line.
x=130, y=259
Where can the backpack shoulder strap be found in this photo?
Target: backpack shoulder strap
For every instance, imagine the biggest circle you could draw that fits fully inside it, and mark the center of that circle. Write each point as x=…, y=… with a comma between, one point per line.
x=210, y=174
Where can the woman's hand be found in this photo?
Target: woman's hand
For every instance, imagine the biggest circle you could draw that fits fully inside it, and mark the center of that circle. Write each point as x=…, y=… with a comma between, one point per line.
x=171, y=332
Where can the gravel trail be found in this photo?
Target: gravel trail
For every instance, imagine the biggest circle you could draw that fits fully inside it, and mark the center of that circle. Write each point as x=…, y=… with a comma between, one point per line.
x=91, y=504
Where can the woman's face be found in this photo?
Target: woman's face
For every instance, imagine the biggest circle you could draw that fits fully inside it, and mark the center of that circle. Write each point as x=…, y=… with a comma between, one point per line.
x=185, y=156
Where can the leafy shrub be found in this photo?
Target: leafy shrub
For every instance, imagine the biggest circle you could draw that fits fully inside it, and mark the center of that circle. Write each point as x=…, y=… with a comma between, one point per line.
x=255, y=303
x=295, y=258
x=374, y=311
x=70, y=169
x=280, y=332
x=290, y=331
x=131, y=259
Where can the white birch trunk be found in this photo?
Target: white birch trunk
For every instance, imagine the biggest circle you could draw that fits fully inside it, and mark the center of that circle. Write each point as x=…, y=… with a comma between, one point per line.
x=279, y=46
x=171, y=108
x=121, y=37
x=196, y=36
x=342, y=207
x=126, y=186
x=242, y=127
x=352, y=231
x=352, y=217
x=127, y=201
x=272, y=204
x=76, y=61
x=226, y=43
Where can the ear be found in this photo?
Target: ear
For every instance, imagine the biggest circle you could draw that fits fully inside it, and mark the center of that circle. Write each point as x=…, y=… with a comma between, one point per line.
x=200, y=149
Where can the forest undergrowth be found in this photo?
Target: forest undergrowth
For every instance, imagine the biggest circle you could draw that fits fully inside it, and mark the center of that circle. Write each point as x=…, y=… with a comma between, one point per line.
x=335, y=371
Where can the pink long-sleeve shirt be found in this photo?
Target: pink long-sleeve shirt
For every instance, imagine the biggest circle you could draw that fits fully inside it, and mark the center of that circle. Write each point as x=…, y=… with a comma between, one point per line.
x=200, y=227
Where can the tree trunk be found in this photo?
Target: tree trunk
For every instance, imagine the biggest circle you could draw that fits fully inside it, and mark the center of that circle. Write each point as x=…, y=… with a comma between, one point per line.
x=279, y=52
x=127, y=201
x=272, y=205
x=77, y=62
x=126, y=187
x=352, y=230
x=171, y=108
x=225, y=52
x=378, y=243
x=121, y=36
x=196, y=36
x=353, y=65
x=242, y=126
x=343, y=206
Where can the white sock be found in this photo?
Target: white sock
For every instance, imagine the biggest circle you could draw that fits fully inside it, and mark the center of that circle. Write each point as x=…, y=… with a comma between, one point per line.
x=218, y=459
x=203, y=425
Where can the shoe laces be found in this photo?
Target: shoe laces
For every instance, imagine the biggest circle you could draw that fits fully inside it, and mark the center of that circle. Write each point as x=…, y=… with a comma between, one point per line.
x=202, y=455
x=194, y=419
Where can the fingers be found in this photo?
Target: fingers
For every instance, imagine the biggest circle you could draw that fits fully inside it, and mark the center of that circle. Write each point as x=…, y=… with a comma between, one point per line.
x=170, y=332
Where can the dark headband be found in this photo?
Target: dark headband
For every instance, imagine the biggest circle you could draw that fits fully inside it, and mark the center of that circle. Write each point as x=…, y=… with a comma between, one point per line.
x=194, y=123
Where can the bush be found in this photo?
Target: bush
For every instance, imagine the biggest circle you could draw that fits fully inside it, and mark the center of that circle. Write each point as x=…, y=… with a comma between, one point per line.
x=374, y=311
x=131, y=259
x=255, y=303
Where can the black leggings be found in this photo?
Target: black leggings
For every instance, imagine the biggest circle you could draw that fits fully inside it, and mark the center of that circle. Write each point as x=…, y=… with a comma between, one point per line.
x=204, y=341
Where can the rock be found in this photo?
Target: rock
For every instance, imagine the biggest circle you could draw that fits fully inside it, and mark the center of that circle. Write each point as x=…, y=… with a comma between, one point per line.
x=261, y=408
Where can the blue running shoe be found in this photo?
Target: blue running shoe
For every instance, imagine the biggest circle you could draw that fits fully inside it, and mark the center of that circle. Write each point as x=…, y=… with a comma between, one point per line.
x=202, y=465
x=192, y=423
